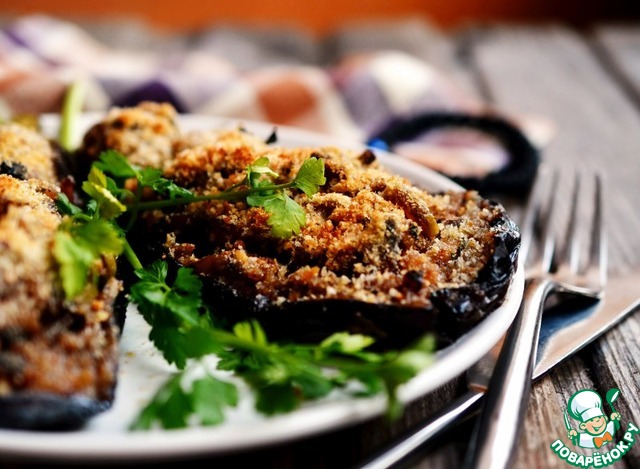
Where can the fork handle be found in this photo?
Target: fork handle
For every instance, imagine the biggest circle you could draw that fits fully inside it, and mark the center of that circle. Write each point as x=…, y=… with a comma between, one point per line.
x=498, y=428
x=462, y=408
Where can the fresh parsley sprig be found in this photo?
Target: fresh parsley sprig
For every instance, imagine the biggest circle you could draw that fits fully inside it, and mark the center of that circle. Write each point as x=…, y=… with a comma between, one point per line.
x=286, y=216
x=87, y=234
x=82, y=240
x=179, y=401
x=116, y=165
x=282, y=376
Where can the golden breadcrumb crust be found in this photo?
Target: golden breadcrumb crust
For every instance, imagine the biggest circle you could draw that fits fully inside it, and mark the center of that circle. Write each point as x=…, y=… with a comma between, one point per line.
x=144, y=133
x=48, y=344
x=20, y=145
x=369, y=235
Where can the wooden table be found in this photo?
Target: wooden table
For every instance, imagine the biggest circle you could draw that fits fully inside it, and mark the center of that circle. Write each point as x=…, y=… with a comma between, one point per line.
x=588, y=84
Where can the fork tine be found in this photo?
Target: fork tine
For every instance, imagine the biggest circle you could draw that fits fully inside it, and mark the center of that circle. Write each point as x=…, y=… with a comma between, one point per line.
x=535, y=205
x=597, y=269
x=569, y=262
x=549, y=227
x=538, y=222
x=583, y=261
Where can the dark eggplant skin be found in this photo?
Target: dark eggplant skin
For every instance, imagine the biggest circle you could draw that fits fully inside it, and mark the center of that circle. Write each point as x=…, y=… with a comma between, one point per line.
x=393, y=327
x=48, y=412
x=452, y=313
x=460, y=309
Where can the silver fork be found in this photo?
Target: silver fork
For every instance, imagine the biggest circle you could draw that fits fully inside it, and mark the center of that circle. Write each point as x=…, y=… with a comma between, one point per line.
x=578, y=269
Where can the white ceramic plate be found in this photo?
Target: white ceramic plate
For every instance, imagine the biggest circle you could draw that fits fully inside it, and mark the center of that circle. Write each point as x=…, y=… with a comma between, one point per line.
x=142, y=368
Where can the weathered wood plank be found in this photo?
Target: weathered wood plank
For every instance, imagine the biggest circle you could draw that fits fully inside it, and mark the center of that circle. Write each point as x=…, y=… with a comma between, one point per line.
x=619, y=47
x=615, y=363
x=543, y=423
x=554, y=72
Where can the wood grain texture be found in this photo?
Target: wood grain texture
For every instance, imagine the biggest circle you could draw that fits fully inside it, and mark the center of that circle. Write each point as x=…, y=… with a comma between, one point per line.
x=619, y=48
x=553, y=72
x=559, y=73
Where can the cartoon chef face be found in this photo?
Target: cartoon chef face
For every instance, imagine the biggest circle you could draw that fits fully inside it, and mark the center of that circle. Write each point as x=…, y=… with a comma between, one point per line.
x=586, y=407
x=595, y=426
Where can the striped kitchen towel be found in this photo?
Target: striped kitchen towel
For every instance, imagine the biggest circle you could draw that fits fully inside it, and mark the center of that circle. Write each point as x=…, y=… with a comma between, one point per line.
x=40, y=55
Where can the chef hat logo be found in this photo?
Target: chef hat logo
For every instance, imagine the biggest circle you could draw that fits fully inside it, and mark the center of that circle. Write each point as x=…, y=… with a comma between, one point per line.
x=585, y=405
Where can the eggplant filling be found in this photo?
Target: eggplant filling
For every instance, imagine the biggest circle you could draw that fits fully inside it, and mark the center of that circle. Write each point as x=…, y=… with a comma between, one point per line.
x=372, y=243
x=368, y=236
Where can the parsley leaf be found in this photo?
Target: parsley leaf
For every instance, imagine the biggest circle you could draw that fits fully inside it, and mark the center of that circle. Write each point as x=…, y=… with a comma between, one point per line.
x=175, y=311
x=282, y=377
x=210, y=396
x=65, y=207
x=96, y=187
x=115, y=163
x=346, y=343
x=396, y=368
x=152, y=177
x=174, y=404
x=310, y=176
x=241, y=360
x=170, y=407
x=78, y=246
x=280, y=369
x=258, y=171
x=286, y=216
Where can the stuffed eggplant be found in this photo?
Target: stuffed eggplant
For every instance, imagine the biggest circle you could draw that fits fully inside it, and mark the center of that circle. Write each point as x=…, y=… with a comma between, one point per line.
x=376, y=255
x=58, y=357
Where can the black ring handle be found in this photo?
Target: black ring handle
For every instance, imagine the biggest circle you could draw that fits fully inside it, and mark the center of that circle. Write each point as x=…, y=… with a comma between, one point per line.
x=515, y=178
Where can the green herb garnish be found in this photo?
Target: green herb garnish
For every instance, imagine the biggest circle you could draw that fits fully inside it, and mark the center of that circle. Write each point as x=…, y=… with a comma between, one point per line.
x=282, y=376
x=81, y=241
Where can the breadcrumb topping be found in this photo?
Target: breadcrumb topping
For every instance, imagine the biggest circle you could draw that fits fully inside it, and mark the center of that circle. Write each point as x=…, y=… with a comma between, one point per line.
x=369, y=235
x=46, y=343
x=26, y=154
x=27, y=225
x=144, y=133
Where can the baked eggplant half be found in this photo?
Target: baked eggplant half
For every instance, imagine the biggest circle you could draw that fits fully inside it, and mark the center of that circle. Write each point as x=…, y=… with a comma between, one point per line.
x=58, y=357
x=376, y=255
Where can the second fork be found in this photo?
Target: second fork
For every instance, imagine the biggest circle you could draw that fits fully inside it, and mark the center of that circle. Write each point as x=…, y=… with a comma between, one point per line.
x=498, y=429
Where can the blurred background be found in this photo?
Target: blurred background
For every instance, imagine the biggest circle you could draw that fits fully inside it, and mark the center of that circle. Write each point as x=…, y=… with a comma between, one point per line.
x=321, y=16
x=350, y=68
